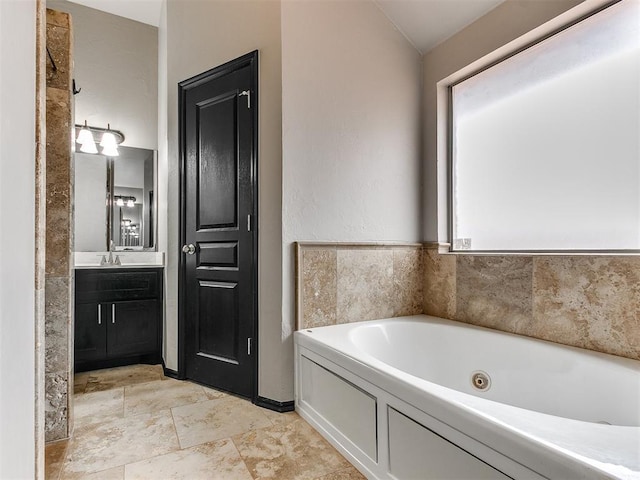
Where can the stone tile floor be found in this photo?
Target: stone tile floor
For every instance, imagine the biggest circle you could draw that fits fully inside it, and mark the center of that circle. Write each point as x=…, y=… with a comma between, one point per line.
x=134, y=423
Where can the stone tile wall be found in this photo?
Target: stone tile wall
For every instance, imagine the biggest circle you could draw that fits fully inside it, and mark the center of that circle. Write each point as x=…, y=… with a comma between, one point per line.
x=40, y=231
x=585, y=301
x=59, y=229
x=343, y=283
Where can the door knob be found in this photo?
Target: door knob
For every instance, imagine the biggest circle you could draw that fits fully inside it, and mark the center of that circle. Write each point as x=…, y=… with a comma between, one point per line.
x=189, y=249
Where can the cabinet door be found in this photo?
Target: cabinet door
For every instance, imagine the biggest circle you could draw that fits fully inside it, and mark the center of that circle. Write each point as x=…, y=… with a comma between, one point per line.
x=133, y=328
x=90, y=331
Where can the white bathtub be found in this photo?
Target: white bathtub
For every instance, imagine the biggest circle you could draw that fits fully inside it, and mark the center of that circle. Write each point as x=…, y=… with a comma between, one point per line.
x=395, y=396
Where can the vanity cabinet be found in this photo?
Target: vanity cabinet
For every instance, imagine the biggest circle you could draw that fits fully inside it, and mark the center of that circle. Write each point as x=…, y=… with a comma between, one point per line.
x=118, y=317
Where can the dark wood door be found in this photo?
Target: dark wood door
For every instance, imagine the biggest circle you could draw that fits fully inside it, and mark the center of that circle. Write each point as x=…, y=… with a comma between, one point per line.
x=90, y=342
x=132, y=328
x=218, y=131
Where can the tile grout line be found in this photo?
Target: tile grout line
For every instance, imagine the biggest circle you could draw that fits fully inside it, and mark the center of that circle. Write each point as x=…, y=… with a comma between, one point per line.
x=112, y=418
x=241, y=457
x=175, y=429
x=270, y=424
x=140, y=460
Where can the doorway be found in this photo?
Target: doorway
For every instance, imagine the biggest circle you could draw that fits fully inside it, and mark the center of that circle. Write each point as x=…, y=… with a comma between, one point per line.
x=218, y=227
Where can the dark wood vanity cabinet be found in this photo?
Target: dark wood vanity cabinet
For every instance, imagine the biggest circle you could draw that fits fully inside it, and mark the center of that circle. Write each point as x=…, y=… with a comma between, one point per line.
x=118, y=317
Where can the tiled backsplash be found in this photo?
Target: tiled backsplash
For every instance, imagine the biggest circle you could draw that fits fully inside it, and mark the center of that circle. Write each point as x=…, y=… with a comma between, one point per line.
x=349, y=282
x=585, y=301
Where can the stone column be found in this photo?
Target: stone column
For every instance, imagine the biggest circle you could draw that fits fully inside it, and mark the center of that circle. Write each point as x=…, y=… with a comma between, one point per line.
x=59, y=278
x=40, y=209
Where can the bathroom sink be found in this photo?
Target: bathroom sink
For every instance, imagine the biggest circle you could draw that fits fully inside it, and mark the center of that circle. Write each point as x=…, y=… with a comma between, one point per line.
x=127, y=259
x=124, y=265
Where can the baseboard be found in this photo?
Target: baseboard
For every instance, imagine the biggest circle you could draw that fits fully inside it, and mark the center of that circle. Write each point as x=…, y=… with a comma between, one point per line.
x=275, y=405
x=169, y=372
x=151, y=359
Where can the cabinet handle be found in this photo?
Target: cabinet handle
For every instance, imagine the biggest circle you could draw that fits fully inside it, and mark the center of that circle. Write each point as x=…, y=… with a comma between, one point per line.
x=113, y=313
x=99, y=315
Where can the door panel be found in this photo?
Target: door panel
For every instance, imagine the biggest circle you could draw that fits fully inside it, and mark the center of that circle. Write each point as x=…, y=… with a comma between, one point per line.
x=217, y=155
x=218, y=282
x=218, y=255
x=218, y=326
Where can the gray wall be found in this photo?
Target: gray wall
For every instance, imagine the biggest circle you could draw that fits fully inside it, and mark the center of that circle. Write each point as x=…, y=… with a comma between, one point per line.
x=116, y=65
x=350, y=123
x=90, y=215
x=201, y=35
x=351, y=97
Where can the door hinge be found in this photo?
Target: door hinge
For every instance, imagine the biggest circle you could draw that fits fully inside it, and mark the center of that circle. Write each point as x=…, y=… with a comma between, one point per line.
x=246, y=93
x=249, y=342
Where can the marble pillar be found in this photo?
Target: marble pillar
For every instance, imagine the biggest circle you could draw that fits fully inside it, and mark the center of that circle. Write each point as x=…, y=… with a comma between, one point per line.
x=59, y=279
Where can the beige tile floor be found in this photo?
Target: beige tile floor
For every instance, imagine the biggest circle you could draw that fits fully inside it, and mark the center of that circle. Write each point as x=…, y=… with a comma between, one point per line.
x=134, y=423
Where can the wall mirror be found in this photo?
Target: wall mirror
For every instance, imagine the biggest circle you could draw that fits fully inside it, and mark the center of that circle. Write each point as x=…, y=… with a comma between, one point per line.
x=115, y=200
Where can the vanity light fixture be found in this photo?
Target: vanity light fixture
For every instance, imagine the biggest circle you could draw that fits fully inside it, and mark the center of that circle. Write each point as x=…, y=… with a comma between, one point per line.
x=84, y=135
x=121, y=201
x=86, y=140
x=109, y=139
x=89, y=146
x=109, y=144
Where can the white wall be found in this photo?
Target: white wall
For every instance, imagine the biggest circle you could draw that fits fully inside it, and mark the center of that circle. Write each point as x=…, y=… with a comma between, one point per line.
x=116, y=65
x=505, y=23
x=200, y=36
x=17, y=244
x=351, y=105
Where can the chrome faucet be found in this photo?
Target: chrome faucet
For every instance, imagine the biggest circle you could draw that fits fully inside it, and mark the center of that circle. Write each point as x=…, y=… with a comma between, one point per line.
x=110, y=260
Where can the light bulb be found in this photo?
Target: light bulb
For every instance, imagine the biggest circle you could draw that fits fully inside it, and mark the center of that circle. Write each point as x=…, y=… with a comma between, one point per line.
x=108, y=139
x=130, y=203
x=120, y=202
x=110, y=150
x=85, y=136
x=89, y=147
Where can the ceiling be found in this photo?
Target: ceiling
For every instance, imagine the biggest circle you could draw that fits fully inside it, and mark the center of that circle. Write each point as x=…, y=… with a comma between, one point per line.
x=425, y=23
x=145, y=11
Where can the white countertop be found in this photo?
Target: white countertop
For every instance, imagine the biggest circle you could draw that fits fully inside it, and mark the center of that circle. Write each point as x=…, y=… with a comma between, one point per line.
x=128, y=259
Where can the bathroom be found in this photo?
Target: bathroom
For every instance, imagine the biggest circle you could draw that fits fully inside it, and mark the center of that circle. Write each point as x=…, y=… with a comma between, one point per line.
x=326, y=152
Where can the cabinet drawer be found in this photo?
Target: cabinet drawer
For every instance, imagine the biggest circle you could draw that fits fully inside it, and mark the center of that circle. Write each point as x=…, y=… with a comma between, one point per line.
x=108, y=285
